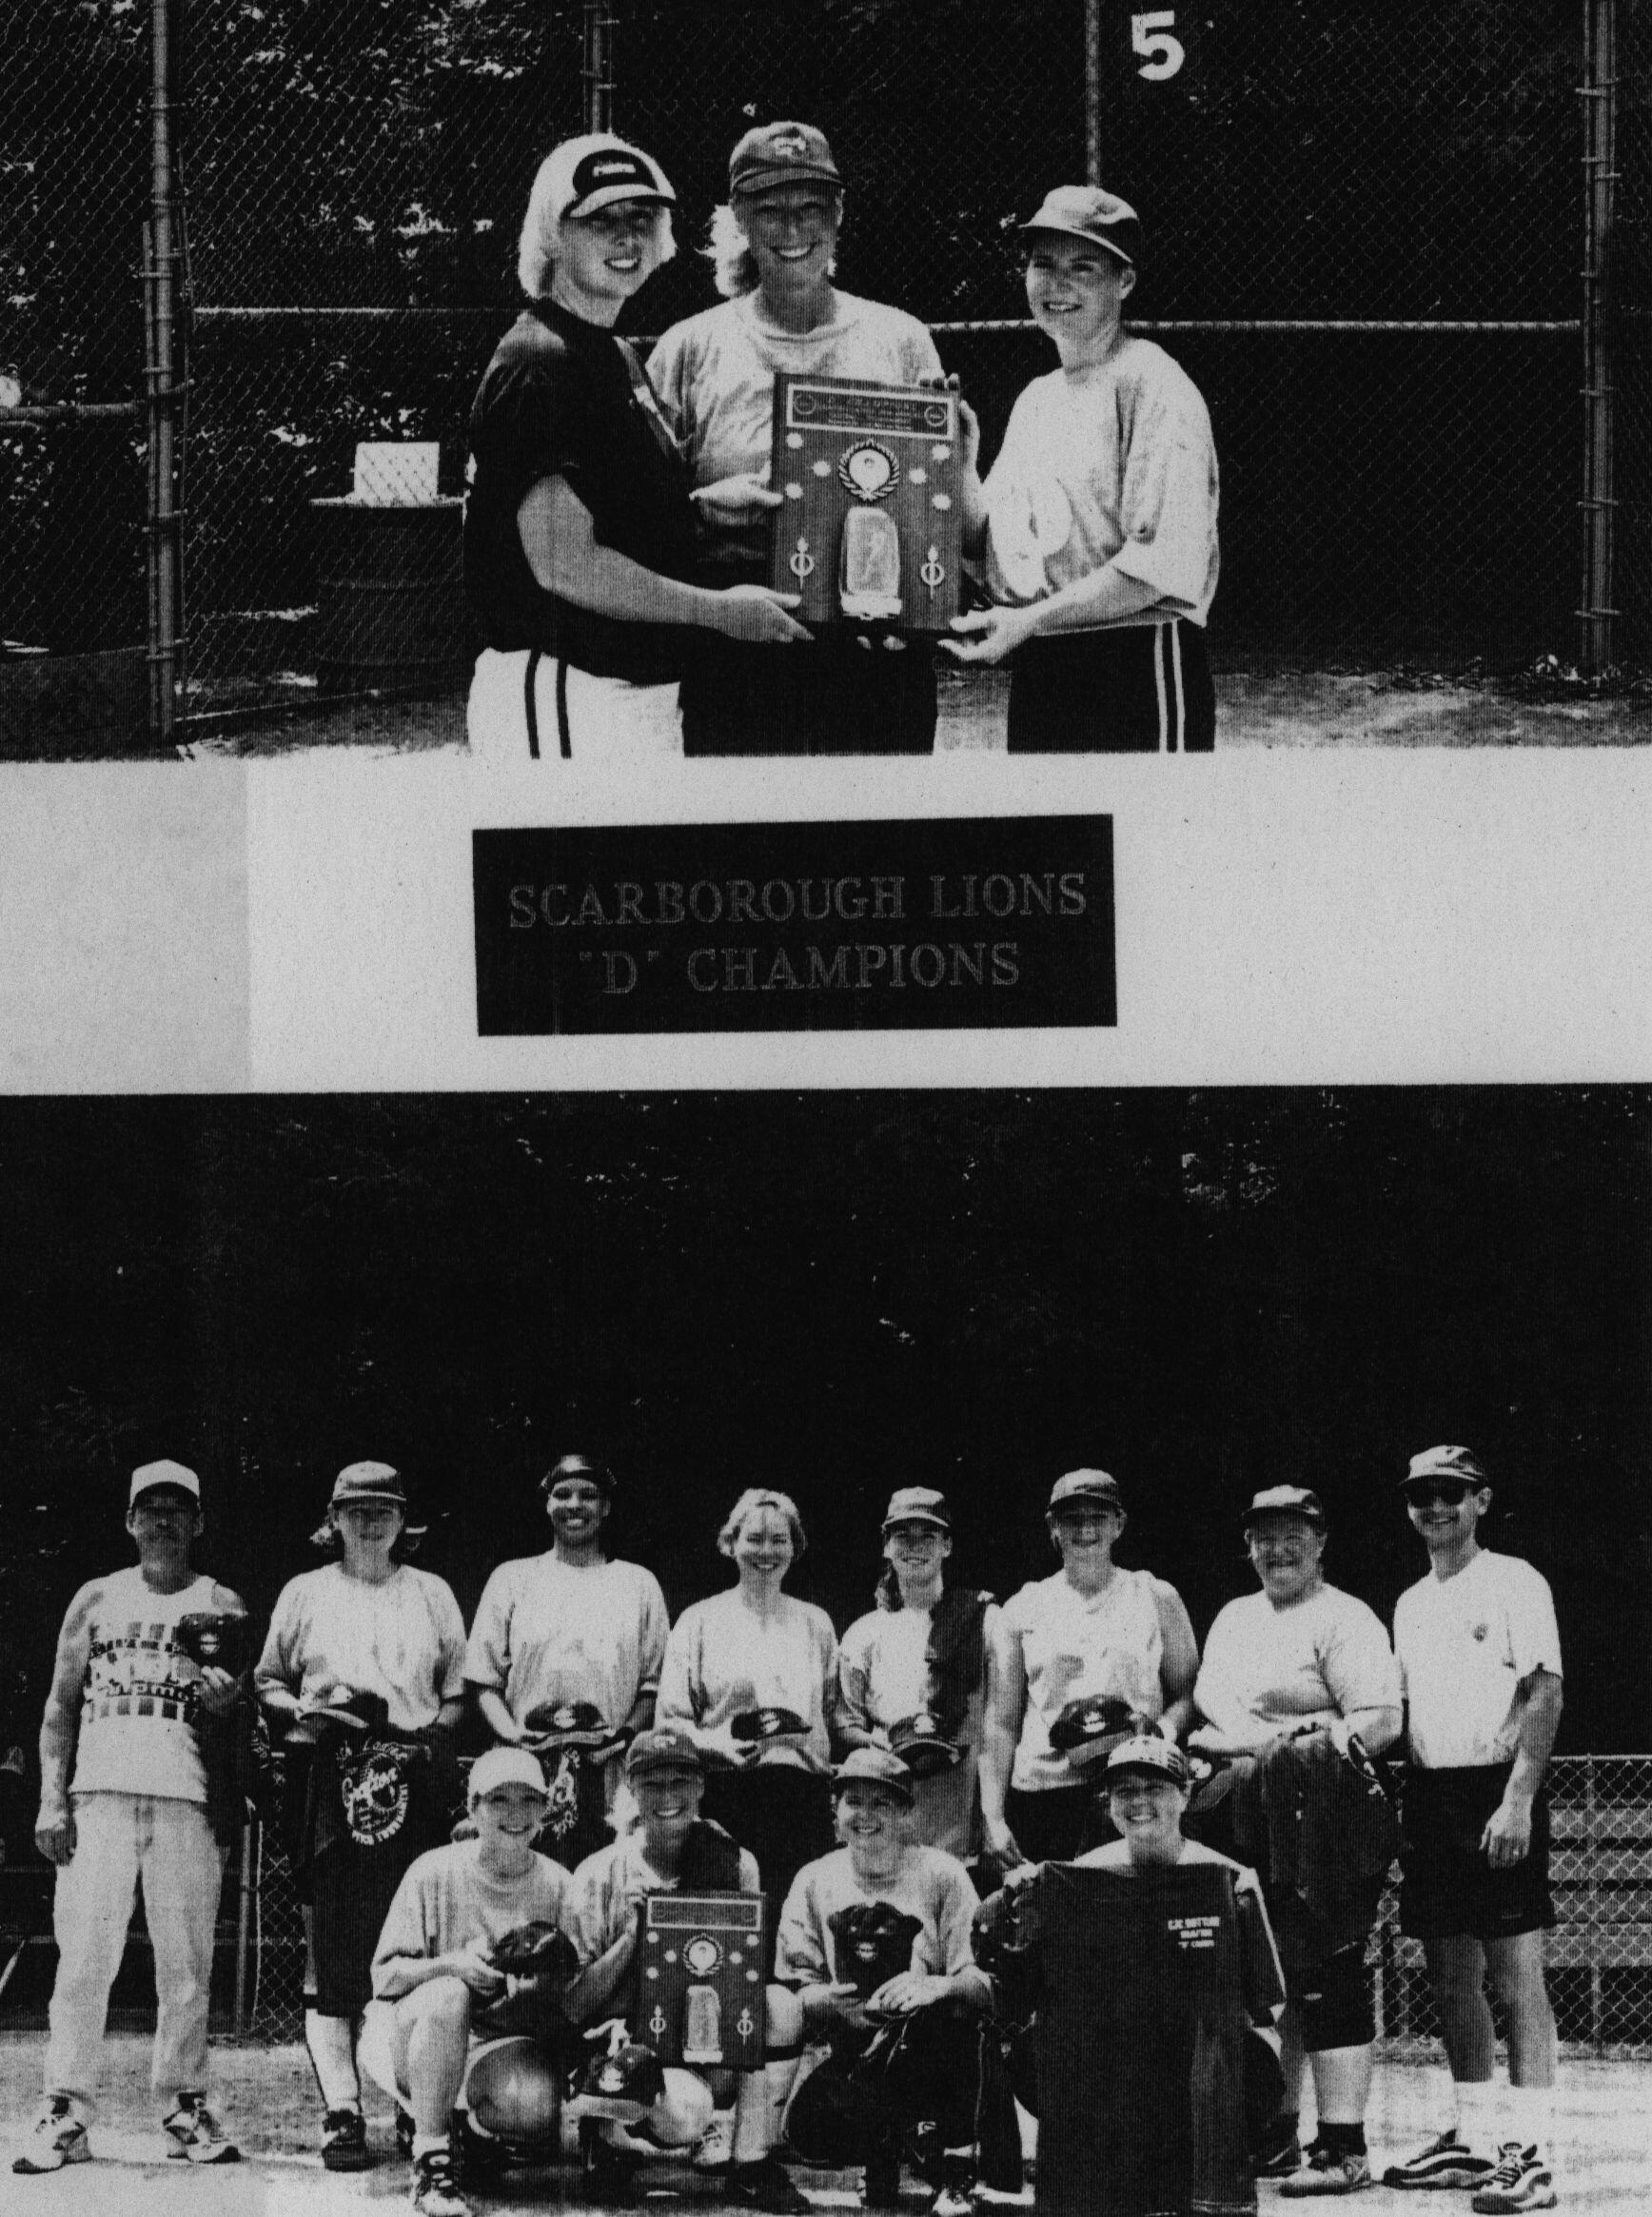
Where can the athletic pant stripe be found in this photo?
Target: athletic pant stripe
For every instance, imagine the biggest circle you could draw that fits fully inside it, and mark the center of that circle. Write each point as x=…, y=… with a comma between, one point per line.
x=1159, y=685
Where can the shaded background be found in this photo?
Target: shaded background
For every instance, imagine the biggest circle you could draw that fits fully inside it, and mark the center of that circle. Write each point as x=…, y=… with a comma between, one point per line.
x=837, y=1294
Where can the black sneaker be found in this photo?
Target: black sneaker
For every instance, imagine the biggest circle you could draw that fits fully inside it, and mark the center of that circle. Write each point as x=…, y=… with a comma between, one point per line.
x=344, y=2141
x=405, y=2129
x=435, y=2191
x=606, y=2178
x=767, y=2184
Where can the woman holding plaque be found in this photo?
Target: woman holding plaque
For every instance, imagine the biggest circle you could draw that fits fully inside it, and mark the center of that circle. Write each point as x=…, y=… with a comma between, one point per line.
x=579, y=535
x=750, y=1676
x=774, y=246
x=363, y=1670
x=1096, y=527
x=912, y=1673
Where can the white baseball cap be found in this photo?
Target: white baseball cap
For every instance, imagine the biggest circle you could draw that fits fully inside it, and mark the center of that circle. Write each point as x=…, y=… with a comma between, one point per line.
x=503, y=1766
x=147, y=1476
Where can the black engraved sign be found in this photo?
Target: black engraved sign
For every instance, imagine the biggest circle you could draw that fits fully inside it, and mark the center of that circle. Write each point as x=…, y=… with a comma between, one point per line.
x=957, y=923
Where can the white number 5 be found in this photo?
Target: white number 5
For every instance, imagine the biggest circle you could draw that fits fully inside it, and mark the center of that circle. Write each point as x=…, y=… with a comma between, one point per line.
x=1153, y=35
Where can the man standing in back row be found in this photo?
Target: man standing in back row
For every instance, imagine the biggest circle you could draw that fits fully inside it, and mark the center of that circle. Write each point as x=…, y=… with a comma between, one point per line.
x=133, y=1791
x=1480, y=1660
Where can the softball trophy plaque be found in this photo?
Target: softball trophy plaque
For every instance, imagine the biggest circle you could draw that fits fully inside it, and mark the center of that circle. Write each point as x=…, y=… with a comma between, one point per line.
x=699, y=1979
x=868, y=526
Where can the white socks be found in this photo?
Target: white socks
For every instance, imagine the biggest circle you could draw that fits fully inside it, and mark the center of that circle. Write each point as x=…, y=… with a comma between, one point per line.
x=1531, y=2116
x=1480, y=2114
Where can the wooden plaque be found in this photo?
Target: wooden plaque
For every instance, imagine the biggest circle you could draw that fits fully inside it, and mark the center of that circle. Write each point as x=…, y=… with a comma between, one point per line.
x=868, y=528
x=699, y=1979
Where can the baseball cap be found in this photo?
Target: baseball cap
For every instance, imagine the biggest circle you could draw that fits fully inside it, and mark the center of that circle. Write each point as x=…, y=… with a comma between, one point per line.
x=1286, y=1501
x=662, y=1750
x=1149, y=1756
x=147, y=1476
x=875, y=1766
x=1084, y=211
x=780, y=154
x=368, y=1482
x=503, y=1766
x=1458, y=1462
x=578, y=1466
x=1086, y=1485
x=598, y=170
x=918, y=1504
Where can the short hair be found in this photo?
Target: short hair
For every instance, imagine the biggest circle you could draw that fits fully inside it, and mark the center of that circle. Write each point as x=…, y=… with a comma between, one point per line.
x=541, y=231
x=729, y=251
x=760, y=1497
x=330, y=1540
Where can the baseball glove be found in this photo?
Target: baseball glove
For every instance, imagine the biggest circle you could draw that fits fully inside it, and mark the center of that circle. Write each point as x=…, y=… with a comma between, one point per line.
x=1086, y=1730
x=871, y=1942
x=762, y=1724
x=537, y=1961
x=213, y=1641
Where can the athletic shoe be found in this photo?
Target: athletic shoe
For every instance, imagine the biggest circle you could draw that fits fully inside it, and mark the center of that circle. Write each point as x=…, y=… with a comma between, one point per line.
x=58, y=2137
x=606, y=2178
x=344, y=2141
x=1279, y=2154
x=767, y=2184
x=1325, y=2172
x=404, y=2131
x=1444, y=2162
x=716, y=2148
x=435, y=2191
x=952, y=2201
x=1521, y=2181
x=194, y=2135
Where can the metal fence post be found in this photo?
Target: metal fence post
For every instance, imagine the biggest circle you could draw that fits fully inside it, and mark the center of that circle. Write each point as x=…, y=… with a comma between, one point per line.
x=596, y=65
x=1598, y=94
x=244, y=1925
x=1092, y=91
x=161, y=389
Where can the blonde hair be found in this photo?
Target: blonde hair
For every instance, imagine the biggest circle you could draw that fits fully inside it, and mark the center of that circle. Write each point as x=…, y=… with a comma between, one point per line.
x=542, y=233
x=760, y=1497
x=729, y=251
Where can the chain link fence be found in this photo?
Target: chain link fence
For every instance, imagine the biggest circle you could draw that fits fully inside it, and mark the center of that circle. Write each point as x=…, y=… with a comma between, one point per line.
x=1364, y=240
x=1599, y=1957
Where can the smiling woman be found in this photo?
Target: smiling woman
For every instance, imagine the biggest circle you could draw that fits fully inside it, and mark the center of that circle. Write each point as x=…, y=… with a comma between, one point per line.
x=774, y=247
x=578, y=536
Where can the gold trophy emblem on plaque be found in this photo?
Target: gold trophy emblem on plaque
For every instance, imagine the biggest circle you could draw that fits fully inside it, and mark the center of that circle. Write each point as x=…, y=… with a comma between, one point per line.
x=868, y=527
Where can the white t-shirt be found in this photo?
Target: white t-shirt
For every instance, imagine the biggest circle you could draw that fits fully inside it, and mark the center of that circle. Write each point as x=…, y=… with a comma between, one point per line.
x=1318, y=1659
x=447, y=1901
x=1464, y=1646
x=140, y=1701
x=403, y=1639
x=723, y=1659
x=550, y=1631
x=931, y=1886
x=884, y=1677
x=1082, y=1647
x=715, y=374
x=1110, y=463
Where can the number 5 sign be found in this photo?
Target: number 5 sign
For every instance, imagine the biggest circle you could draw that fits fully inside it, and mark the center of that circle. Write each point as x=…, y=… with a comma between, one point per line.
x=1153, y=37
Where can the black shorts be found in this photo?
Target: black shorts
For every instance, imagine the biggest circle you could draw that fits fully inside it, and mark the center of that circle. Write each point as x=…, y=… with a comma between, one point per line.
x=1449, y=1888
x=834, y=697
x=1144, y=689
x=353, y=1889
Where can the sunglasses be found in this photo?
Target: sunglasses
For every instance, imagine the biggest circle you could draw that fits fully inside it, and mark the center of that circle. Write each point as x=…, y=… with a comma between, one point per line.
x=1450, y=1492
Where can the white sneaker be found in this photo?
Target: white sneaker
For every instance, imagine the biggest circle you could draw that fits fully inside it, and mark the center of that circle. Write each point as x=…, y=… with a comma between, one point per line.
x=716, y=2147
x=1521, y=2181
x=58, y=2137
x=192, y=2131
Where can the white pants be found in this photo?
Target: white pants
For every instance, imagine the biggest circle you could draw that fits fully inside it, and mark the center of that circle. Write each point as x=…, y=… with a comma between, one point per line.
x=607, y=720
x=122, y=1840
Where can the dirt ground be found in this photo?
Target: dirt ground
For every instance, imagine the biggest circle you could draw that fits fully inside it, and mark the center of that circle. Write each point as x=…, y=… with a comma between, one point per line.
x=1286, y=709
x=1604, y=2112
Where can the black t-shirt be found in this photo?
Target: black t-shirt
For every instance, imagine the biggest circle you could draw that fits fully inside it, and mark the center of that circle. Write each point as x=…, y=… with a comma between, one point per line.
x=563, y=398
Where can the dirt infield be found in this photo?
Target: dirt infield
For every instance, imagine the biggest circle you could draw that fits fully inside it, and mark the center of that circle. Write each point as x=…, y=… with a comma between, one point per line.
x=1289, y=709
x=267, y=2099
